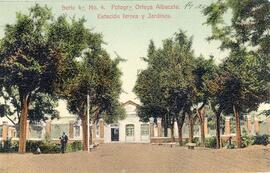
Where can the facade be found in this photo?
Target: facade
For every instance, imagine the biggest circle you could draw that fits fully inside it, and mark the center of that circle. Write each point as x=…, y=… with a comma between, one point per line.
x=129, y=130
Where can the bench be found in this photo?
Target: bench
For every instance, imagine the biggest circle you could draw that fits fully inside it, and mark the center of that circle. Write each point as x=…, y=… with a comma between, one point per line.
x=190, y=145
x=91, y=147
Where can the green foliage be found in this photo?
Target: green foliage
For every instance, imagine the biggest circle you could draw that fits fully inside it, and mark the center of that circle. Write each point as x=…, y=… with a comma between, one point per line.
x=185, y=141
x=115, y=113
x=27, y=60
x=230, y=146
x=76, y=146
x=42, y=106
x=247, y=140
x=45, y=146
x=38, y=59
x=241, y=84
x=196, y=140
x=261, y=140
x=49, y=148
x=47, y=138
x=9, y=146
x=69, y=148
x=210, y=142
x=245, y=73
x=166, y=88
x=31, y=146
x=174, y=83
x=98, y=76
x=249, y=21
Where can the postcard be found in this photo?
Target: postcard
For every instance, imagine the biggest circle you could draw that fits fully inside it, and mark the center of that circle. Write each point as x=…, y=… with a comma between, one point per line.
x=126, y=86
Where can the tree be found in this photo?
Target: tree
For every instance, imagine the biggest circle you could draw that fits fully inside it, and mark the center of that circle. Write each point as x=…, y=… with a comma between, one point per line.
x=34, y=58
x=98, y=76
x=148, y=88
x=203, y=71
x=246, y=38
x=178, y=81
x=42, y=107
x=166, y=87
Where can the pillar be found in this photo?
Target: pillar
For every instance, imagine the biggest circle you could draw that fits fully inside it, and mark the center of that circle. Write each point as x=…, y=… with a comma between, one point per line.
x=257, y=126
x=159, y=127
x=5, y=131
x=268, y=125
x=12, y=133
x=151, y=121
x=249, y=124
x=205, y=126
x=101, y=128
x=48, y=128
x=71, y=130
x=227, y=126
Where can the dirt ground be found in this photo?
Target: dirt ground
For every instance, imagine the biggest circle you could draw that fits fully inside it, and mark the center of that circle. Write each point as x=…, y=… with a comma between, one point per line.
x=139, y=158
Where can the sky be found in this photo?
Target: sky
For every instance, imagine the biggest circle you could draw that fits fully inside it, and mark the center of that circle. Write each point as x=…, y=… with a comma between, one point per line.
x=129, y=38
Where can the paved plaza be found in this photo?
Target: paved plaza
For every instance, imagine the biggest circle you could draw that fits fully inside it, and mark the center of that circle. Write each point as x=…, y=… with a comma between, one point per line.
x=139, y=158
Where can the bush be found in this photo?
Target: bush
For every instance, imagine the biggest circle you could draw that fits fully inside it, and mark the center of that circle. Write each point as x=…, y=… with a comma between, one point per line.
x=210, y=142
x=261, y=140
x=31, y=146
x=9, y=146
x=196, y=140
x=223, y=142
x=185, y=141
x=45, y=146
x=69, y=148
x=76, y=146
x=247, y=140
x=49, y=148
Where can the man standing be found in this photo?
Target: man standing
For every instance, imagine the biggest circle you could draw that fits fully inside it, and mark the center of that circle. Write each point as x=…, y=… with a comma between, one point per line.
x=63, y=141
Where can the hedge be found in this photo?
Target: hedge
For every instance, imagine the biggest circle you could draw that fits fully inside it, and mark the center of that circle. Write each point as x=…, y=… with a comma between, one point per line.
x=45, y=147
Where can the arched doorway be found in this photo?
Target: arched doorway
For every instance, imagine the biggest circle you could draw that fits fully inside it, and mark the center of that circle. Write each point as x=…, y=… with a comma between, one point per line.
x=114, y=132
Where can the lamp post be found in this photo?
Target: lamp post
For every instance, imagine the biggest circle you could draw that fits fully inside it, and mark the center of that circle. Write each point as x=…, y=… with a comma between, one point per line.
x=88, y=129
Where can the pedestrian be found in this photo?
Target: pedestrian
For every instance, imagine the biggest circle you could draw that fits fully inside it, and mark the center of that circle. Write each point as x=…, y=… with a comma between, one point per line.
x=63, y=141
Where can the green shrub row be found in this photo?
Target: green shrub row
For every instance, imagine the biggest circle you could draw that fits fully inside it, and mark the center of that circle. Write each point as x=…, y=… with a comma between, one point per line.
x=246, y=141
x=255, y=140
x=45, y=147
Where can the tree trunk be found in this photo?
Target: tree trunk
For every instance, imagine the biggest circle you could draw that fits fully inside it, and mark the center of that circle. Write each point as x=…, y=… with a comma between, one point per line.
x=85, y=132
x=201, y=113
x=23, y=123
x=190, y=128
x=180, y=133
x=180, y=123
x=202, y=133
x=238, y=128
x=165, y=126
x=218, y=130
x=172, y=132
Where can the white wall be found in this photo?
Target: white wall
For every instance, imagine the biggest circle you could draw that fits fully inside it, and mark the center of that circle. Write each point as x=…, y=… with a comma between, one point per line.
x=131, y=118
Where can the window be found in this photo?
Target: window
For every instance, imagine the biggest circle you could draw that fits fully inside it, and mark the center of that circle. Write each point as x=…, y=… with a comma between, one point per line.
x=130, y=130
x=97, y=129
x=58, y=129
x=35, y=131
x=144, y=129
x=77, y=131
